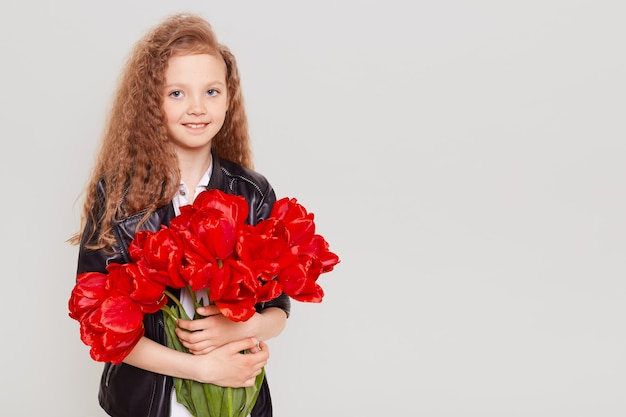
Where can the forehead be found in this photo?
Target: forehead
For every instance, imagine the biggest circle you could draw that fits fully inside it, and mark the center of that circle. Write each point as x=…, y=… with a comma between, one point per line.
x=195, y=66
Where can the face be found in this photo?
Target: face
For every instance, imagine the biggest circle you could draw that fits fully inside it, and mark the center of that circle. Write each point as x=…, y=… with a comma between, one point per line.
x=195, y=100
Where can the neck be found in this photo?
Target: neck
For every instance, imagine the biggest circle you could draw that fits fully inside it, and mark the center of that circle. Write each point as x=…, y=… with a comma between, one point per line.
x=192, y=167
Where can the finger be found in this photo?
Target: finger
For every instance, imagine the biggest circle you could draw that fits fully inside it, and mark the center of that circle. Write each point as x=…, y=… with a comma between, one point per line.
x=192, y=325
x=250, y=382
x=244, y=344
x=265, y=349
x=202, y=351
x=185, y=335
x=259, y=347
x=184, y=324
x=206, y=311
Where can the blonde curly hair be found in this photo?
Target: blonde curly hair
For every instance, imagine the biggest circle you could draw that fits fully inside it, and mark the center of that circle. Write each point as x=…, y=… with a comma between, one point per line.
x=136, y=161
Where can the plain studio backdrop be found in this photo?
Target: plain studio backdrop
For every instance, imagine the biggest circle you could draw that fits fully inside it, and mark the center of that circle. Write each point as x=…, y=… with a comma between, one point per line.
x=465, y=159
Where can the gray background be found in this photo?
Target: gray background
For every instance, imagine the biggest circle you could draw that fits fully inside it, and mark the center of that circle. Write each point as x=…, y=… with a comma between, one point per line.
x=464, y=158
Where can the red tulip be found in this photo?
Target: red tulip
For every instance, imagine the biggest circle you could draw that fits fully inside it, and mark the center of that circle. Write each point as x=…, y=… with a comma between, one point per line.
x=87, y=294
x=234, y=206
x=233, y=289
x=161, y=254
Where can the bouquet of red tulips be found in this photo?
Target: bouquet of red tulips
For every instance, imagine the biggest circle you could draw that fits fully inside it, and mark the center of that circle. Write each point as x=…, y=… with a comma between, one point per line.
x=207, y=247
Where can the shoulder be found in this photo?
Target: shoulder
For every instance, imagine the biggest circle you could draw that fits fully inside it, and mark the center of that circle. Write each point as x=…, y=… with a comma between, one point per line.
x=237, y=176
x=232, y=178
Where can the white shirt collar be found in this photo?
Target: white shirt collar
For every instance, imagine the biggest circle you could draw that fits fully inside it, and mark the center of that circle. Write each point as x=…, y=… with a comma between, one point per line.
x=180, y=199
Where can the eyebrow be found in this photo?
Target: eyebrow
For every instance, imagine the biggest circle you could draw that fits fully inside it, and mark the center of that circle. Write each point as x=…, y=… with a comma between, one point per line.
x=209, y=84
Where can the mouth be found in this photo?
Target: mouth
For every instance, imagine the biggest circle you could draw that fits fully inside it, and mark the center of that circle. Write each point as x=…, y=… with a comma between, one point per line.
x=195, y=125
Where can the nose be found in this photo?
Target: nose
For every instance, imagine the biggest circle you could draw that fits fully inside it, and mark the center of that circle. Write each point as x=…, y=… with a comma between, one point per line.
x=197, y=106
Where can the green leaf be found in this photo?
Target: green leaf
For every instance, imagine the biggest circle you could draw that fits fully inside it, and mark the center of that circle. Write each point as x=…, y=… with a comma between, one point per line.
x=199, y=400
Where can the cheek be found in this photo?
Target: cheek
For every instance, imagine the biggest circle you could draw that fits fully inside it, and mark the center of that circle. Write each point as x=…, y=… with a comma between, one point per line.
x=223, y=108
x=169, y=113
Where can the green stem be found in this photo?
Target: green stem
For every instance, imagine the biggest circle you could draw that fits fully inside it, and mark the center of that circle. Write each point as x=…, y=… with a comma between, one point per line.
x=192, y=294
x=173, y=298
x=167, y=310
x=183, y=313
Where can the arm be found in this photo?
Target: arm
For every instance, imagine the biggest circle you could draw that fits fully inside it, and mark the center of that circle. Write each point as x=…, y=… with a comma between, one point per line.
x=224, y=366
x=204, y=335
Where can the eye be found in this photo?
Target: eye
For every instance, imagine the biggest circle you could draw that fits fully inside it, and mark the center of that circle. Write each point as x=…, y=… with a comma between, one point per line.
x=212, y=92
x=176, y=94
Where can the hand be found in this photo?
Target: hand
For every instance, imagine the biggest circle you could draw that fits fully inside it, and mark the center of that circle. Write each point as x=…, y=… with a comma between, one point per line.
x=228, y=367
x=201, y=336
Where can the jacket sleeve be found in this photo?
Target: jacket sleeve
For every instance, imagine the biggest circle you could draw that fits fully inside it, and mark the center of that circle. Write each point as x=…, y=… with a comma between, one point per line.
x=124, y=232
x=90, y=260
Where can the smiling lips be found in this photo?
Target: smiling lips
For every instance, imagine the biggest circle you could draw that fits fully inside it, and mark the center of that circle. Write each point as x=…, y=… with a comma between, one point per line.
x=195, y=125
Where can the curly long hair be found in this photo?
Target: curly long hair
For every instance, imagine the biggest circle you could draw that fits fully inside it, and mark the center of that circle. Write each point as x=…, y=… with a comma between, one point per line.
x=137, y=162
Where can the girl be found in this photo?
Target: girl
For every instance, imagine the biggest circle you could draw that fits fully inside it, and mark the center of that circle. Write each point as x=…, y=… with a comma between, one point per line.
x=177, y=126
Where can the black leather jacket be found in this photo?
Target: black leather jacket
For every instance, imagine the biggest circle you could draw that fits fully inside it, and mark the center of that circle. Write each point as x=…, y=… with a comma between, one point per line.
x=127, y=391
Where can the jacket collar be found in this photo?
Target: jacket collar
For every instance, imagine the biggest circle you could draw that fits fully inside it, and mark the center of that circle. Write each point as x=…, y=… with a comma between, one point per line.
x=217, y=180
